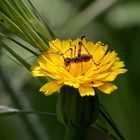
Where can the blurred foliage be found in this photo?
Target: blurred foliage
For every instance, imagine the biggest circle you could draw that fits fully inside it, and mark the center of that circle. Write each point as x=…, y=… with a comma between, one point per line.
x=119, y=26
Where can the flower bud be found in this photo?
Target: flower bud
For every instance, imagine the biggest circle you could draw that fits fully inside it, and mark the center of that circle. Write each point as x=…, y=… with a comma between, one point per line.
x=76, y=111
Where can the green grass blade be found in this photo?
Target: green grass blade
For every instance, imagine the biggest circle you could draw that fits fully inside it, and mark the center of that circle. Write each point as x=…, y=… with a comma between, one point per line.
x=20, y=59
x=6, y=111
x=109, y=120
x=102, y=128
x=8, y=10
x=52, y=35
x=21, y=45
x=11, y=58
x=31, y=18
x=8, y=23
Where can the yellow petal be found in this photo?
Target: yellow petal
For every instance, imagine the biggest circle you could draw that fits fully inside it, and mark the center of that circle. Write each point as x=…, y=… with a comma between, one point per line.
x=97, y=84
x=101, y=76
x=71, y=83
x=110, y=77
x=86, y=91
x=107, y=88
x=99, y=51
x=109, y=57
x=50, y=87
x=119, y=71
x=36, y=71
x=118, y=64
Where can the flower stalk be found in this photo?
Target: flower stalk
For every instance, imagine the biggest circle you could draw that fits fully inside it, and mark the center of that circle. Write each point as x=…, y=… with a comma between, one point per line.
x=75, y=133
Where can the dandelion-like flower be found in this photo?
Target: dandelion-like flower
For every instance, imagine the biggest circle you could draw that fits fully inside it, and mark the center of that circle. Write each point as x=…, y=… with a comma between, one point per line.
x=79, y=63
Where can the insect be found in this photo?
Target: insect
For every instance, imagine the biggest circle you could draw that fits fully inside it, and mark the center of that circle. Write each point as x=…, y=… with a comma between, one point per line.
x=79, y=58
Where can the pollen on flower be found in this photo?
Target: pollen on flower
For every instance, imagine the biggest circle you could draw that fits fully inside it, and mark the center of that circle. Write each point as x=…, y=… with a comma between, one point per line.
x=81, y=64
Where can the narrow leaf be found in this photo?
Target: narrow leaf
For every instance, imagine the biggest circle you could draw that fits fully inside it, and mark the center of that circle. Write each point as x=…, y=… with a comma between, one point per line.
x=102, y=128
x=31, y=18
x=8, y=23
x=21, y=45
x=20, y=59
x=10, y=12
x=6, y=111
x=109, y=120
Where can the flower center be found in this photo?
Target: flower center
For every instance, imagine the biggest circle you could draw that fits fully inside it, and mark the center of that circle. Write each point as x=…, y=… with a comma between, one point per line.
x=79, y=59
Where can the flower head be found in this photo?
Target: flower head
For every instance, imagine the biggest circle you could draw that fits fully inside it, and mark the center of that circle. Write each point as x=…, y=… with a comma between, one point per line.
x=81, y=64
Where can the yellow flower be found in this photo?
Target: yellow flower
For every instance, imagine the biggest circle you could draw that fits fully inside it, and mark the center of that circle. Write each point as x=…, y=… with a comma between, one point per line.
x=81, y=64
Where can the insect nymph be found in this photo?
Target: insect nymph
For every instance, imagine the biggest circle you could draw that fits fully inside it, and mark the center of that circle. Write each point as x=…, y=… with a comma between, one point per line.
x=80, y=57
x=75, y=54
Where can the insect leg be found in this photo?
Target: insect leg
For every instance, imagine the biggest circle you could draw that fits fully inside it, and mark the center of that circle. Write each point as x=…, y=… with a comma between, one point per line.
x=81, y=44
x=82, y=70
x=70, y=49
x=79, y=50
x=74, y=49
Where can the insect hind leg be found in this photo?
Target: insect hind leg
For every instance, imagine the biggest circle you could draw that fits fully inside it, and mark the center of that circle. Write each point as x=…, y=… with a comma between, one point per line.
x=81, y=44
